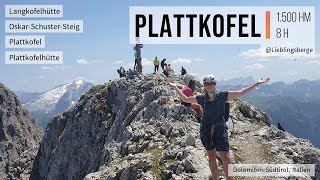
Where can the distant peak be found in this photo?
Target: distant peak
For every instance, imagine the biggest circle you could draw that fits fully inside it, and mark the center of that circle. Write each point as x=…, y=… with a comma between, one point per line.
x=81, y=81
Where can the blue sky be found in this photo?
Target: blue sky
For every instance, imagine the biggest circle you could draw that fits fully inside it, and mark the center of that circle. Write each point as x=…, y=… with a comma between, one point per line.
x=95, y=54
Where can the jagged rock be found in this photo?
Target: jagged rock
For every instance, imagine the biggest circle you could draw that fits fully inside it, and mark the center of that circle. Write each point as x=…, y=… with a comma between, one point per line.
x=280, y=134
x=147, y=176
x=290, y=142
x=19, y=137
x=166, y=129
x=130, y=157
x=179, y=156
x=249, y=111
x=190, y=140
x=264, y=134
x=179, y=170
x=288, y=151
x=241, y=138
x=135, y=130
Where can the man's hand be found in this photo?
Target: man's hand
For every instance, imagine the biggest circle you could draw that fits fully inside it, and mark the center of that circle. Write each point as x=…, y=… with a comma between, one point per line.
x=263, y=80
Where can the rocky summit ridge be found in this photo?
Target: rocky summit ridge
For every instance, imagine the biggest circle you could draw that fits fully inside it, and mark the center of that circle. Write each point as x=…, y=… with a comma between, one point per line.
x=134, y=128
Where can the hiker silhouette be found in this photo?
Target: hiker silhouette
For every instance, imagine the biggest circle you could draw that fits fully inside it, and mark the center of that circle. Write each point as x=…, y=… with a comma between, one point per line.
x=163, y=63
x=156, y=64
x=183, y=71
x=280, y=127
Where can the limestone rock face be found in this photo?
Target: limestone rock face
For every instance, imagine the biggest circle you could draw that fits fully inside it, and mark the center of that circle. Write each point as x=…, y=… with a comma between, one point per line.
x=19, y=137
x=132, y=128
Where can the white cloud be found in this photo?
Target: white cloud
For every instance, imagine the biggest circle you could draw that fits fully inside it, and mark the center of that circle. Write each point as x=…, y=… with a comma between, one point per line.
x=52, y=68
x=80, y=78
x=292, y=73
x=97, y=61
x=118, y=62
x=129, y=66
x=42, y=77
x=75, y=79
x=82, y=61
x=123, y=64
x=85, y=61
x=198, y=75
x=198, y=60
x=195, y=74
x=254, y=53
x=182, y=61
x=261, y=56
x=47, y=68
x=60, y=68
x=146, y=62
x=233, y=74
x=313, y=62
x=254, y=67
x=187, y=60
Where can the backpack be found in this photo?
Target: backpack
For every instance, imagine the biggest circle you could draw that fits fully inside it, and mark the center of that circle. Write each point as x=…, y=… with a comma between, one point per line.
x=225, y=109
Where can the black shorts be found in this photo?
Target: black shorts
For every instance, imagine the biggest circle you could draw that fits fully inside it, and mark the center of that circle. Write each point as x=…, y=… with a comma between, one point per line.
x=220, y=140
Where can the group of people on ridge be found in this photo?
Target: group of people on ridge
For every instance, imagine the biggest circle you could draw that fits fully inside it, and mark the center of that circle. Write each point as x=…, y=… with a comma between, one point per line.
x=166, y=68
x=121, y=72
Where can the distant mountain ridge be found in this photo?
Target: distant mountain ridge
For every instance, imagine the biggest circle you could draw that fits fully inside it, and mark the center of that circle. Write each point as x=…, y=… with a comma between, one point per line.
x=237, y=81
x=44, y=106
x=27, y=96
x=303, y=90
x=294, y=105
